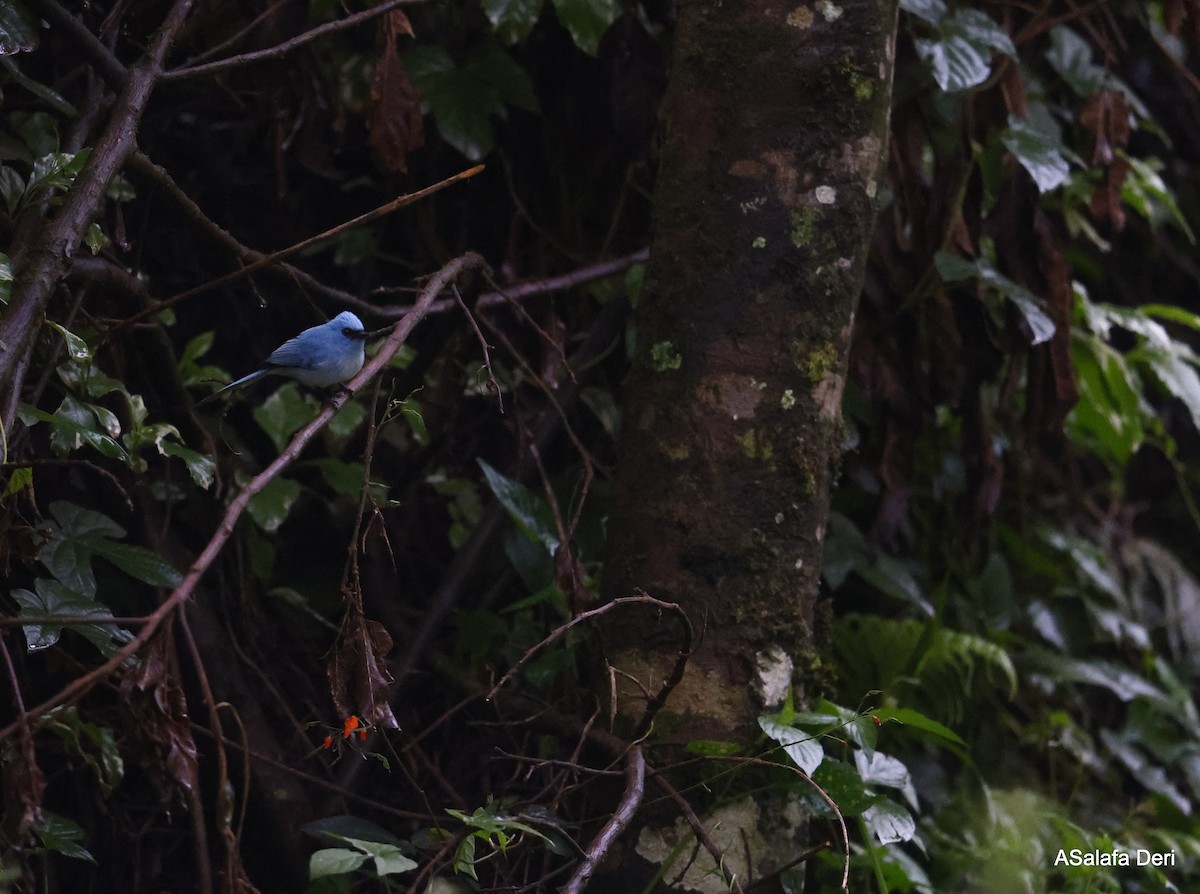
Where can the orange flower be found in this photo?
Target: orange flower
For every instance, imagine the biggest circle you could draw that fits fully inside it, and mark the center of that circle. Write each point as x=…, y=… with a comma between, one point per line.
x=328, y=743
x=350, y=725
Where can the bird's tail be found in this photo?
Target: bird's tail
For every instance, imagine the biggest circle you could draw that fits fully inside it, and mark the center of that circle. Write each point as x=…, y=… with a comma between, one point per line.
x=244, y=380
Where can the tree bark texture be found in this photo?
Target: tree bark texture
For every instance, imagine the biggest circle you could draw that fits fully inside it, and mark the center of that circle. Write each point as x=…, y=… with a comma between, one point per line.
x=775, y=128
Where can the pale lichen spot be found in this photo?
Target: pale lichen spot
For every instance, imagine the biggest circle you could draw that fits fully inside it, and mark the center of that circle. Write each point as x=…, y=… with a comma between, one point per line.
x=664, y=356
x=828, y=395
x=801, y=17
x=735, y=831
x=788, y=399
x=830, y=10
x=826, y=195
x=798, y=564
x=773, y=675
x=759, y=242
x=872, y=188
x=779, y=518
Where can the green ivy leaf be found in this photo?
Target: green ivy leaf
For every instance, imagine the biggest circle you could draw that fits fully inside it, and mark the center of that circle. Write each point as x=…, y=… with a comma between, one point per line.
x=77, y=348
x=271, y=506
x=1040, y=150
x=843, y=784
x=61, y=835
x=200, y=466
x=94, y=745
x=961, y=56
x=889, y=822
x=55, y=598
x=74, y=534
x=283, y=413
x=74, y=425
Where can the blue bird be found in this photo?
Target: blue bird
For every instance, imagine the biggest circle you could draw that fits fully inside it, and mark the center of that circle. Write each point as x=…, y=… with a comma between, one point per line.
x=324, y=355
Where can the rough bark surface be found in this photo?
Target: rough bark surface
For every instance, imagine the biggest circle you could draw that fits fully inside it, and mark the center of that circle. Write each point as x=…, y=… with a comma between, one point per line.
x=775, y=130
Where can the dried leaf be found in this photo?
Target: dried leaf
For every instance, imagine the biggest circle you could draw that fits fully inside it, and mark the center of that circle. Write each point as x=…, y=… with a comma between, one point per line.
x=155, y=712
x=359, y=681
x=395, y=122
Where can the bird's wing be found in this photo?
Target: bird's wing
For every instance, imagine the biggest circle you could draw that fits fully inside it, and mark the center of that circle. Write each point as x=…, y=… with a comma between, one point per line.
x=296, y=353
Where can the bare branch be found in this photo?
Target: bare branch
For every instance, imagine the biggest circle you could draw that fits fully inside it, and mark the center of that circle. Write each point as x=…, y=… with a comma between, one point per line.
x=195, y=71
x=635, y=775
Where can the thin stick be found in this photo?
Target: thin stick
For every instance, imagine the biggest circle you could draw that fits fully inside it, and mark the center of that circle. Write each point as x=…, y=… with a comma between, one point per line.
x=195, y=71
x=689, y=815
x=276, y=257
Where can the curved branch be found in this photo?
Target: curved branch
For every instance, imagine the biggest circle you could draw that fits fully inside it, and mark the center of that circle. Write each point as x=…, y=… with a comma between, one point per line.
x=195, y=71
x=635, y=775
x=43, y=258
x=79, y=687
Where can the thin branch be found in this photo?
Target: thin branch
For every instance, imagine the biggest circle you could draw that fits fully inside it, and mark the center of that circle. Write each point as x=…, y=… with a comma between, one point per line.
x=483, y=346
x=558, y=633
x=195, y=71
x=159, y=177
x=79, y=687
x=731, y=880
x=276, y=257
x=635, y=775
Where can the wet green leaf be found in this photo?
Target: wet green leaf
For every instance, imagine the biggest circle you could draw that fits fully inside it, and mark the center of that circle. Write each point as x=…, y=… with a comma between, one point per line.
x=271, y=506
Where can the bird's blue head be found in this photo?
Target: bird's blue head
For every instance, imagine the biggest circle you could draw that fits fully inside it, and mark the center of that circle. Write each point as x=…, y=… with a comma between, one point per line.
x=348, y=325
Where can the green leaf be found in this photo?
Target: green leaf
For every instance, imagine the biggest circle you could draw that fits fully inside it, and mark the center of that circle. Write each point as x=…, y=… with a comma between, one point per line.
x=803, y=748
x=529, y=511
x=54, y=171
x=961, y=56
x=1040, y=151
x=139, y=563
x=95, y=239
x=334, y=861
x=346, y=420
x=6, y=277
x=843, y=784
x=54, y=598
x=94, y=745
x=18, y=28
x=932, y=11
x=283, y=413
x=1071, y=56
x=18, y=480
x=61, y=835
x=917, y=720
x=200, y=466
x=889, y=822
x=512, y=19
x=586, y=20
x=74, y=536
x=464, y=98
x=1148, y=194
x=271, y=506
x=74, y=425
x=77, y=348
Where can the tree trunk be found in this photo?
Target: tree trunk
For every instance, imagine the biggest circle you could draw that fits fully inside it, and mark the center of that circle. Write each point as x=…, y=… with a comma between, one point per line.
x=775, y=128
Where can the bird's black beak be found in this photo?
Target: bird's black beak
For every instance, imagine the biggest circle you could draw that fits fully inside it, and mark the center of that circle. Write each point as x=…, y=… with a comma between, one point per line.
x=360, y=334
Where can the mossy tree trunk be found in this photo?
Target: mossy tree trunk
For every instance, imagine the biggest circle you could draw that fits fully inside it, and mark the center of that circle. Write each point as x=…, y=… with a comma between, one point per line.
x=775, y=128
